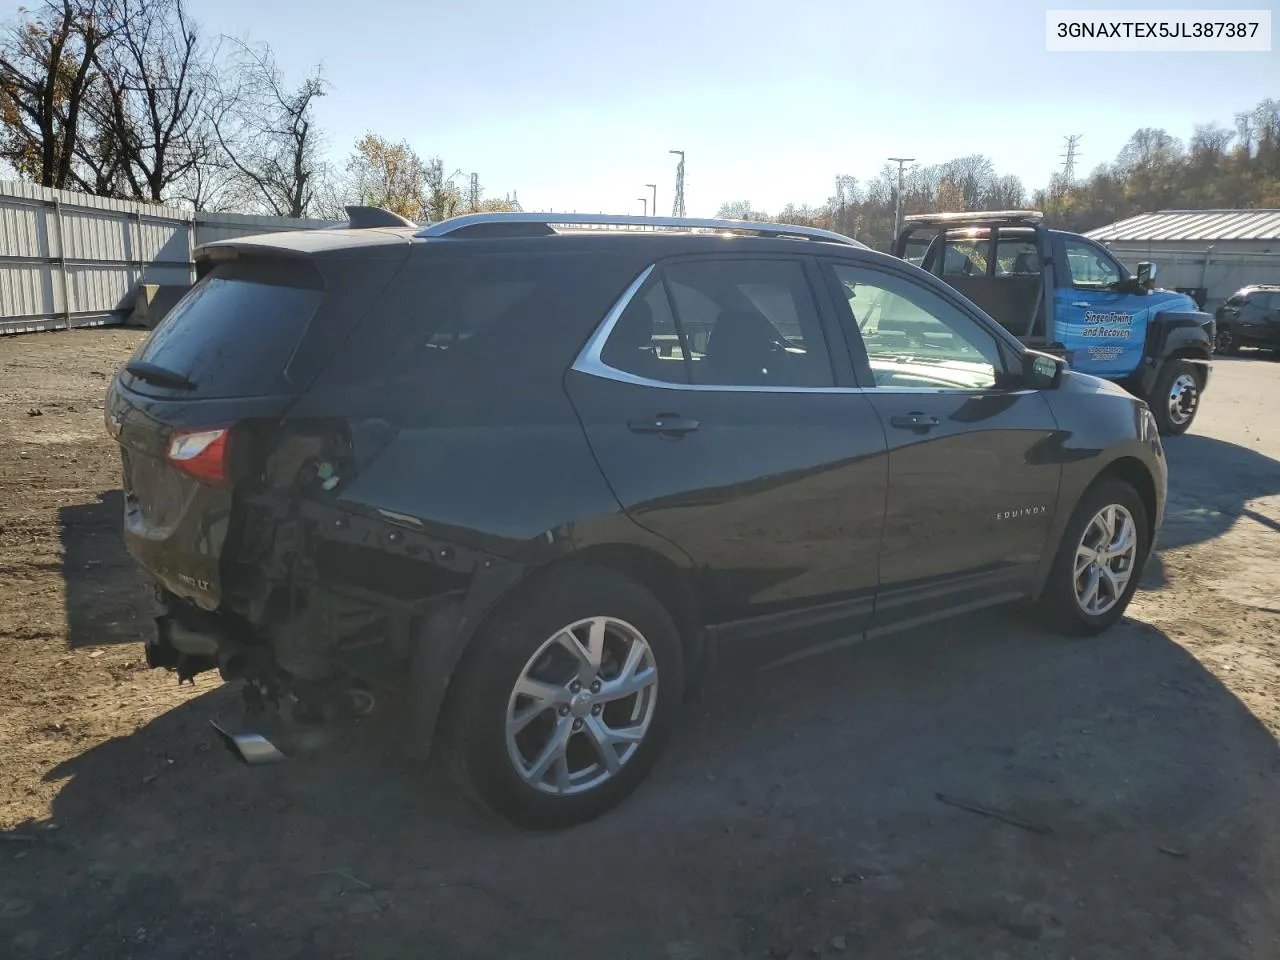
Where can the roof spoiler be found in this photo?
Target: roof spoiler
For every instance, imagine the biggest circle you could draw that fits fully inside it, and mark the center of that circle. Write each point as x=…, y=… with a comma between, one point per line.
x=366, y=218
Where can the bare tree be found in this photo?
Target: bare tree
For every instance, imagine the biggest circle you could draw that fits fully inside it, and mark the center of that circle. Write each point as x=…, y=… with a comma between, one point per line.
x=266, y=130
x=46, y=75
x=157, y=74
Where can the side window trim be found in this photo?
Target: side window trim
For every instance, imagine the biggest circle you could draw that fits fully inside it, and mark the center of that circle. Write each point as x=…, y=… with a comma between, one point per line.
x=590, y=358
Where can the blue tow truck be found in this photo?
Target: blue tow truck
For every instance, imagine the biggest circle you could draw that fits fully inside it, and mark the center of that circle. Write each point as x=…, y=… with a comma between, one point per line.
x=1065, y=294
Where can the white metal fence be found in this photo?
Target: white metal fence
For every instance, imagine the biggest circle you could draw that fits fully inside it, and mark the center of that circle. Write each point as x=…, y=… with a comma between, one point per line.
x=75, y=260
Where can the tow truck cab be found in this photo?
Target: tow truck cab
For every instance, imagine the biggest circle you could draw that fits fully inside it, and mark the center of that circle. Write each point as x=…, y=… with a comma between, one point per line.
x=1065, y=294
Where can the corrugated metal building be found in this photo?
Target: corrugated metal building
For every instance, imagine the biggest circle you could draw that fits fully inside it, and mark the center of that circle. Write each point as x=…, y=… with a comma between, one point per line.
x=1210, y=252
x=73, y=259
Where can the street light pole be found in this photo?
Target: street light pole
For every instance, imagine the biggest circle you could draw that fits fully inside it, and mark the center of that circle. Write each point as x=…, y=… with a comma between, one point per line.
x=653, y=206
x=897, y=205
x=644, y=211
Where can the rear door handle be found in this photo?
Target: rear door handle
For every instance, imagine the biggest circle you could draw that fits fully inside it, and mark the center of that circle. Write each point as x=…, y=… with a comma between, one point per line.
x=915, y=421
x=665, y=424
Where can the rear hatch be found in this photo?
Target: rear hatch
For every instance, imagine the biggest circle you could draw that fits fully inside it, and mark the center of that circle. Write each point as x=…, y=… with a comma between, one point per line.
x=230, y=359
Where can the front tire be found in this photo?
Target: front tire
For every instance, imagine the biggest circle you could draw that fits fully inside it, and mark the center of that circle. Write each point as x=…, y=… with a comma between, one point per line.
x=565, y=699
x=1175, y=398
x=1099, y=561
x=1225, y=343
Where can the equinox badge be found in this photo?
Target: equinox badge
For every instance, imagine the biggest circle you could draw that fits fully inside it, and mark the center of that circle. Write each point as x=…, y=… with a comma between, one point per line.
x=1019, y=513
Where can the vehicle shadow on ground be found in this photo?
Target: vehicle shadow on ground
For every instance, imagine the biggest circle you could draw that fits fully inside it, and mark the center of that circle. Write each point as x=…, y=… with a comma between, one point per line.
x=1210, y=484
x=106, y=600
x=795, y=809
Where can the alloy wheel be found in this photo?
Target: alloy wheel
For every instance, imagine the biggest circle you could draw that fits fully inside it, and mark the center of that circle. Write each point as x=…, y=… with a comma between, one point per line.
x=581, y=706
x=1105, y=559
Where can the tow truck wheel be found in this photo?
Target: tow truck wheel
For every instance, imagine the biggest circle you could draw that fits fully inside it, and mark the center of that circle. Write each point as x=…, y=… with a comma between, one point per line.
x=1175, y=398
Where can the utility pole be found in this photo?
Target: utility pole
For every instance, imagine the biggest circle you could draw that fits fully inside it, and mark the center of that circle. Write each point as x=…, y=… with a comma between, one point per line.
x=897, y=202
x=653, y=207
x=677, y=208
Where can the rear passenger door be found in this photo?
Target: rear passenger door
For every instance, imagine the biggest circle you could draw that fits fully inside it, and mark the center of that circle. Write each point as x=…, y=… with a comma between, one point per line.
x=710, y=400
x=971, y=487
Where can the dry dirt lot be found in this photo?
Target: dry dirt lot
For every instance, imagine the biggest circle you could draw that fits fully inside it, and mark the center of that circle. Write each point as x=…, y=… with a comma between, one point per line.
x=795, y=816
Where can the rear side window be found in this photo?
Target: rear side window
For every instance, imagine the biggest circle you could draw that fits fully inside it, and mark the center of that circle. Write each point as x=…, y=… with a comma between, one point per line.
x=733, y=322
x=235, y=331
x=965, y=256
x=493, y=318
x=1017, y=257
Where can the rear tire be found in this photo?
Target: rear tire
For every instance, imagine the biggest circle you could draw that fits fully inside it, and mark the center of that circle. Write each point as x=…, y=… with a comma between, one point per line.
x=578, y=710
x=1175, y=397
x=1065, y=603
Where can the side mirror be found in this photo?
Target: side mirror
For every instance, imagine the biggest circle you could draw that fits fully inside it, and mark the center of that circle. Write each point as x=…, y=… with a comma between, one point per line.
x=1146, y=275
x=1042, y=371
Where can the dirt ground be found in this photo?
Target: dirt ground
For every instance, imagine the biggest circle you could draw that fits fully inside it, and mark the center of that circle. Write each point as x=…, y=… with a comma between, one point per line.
x=796, y=815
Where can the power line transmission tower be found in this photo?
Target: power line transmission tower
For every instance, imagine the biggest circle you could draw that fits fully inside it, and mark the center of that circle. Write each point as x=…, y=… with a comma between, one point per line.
x=897, y=200
x=474, y=196
x=677, y=208
x=1069, y=158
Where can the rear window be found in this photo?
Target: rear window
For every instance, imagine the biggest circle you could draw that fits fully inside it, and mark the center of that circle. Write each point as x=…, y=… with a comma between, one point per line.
x=235, y=331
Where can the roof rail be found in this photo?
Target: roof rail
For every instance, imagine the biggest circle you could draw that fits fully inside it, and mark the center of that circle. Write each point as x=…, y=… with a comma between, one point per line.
x=364, y=218
x=475, y=224
x=977, y=216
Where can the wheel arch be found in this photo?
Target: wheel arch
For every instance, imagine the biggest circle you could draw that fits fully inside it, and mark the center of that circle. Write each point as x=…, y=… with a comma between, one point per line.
x=1125, y=467
x=1134, y=472
x=447, y=641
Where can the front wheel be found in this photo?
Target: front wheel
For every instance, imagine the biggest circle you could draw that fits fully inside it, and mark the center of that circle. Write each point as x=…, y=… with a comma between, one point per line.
x=1225, y=344
x=1175, y=398
x=565, y=700
x=1099, y=560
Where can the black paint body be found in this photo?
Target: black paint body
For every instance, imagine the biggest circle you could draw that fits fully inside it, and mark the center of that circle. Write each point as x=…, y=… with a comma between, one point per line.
x=787, y=521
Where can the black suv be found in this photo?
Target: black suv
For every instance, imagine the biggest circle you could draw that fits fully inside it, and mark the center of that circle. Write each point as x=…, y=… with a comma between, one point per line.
x=1249, y=318
x=555, y=475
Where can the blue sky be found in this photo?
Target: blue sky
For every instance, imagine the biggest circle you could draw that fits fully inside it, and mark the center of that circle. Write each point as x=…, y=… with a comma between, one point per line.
x=575, y=103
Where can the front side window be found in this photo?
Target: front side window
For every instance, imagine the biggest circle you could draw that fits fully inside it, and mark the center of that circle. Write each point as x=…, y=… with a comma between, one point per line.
x=740, y=323
x=913, y=337
x=1089, y=267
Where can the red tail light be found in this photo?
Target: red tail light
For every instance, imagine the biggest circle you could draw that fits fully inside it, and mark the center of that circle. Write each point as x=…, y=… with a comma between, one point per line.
x=202, y=454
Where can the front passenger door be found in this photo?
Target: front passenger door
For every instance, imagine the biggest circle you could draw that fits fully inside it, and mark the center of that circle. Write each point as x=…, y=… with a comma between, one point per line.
x=971, y=487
